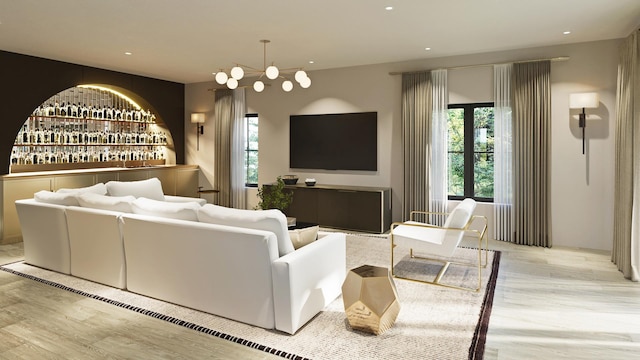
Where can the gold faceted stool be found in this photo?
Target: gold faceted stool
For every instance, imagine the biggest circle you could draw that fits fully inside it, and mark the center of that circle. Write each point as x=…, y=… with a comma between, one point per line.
x=370, y=299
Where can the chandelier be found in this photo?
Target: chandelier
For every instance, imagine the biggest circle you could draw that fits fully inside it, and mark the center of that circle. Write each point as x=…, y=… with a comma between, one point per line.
x=270, y=72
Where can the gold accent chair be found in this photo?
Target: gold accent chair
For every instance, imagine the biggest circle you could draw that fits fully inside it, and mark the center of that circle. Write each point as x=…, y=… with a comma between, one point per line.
x=441, y=241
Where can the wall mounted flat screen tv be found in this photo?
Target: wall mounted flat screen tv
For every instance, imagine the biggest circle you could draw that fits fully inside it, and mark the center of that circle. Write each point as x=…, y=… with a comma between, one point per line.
x=334, y=141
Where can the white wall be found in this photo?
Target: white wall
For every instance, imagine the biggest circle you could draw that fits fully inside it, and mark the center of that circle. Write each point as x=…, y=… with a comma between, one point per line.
x=581, y=185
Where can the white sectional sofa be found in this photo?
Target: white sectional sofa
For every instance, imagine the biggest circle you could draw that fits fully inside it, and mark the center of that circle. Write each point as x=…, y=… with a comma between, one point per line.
x=239, y=264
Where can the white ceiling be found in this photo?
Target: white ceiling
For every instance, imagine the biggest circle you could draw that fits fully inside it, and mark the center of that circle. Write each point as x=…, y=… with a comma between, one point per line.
x=187, y=40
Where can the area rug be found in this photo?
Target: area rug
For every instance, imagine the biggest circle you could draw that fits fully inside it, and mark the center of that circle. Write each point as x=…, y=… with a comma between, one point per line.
x=433, y=323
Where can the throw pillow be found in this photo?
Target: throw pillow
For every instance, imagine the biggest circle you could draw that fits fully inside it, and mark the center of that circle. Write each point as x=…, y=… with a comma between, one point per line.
x=181, y=211
x=98, y=188
x=305, y=236
x=270, y=220
x=150, y=189
x=104, y=202
x=50, y=197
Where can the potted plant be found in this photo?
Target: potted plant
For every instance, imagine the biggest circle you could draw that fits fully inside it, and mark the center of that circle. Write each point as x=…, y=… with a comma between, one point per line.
x=274, y=196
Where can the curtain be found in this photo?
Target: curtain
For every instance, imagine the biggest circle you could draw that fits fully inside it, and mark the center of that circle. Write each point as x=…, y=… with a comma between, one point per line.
x=531, y=146
x=416, y=138
x=438, y=173
x=626, y=226
x=229, y=145
x=503, y=160
x=223, y=117
x=238, y=145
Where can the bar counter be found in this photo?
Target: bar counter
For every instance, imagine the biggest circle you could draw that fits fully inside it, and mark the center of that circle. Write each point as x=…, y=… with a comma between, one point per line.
x=179, y=180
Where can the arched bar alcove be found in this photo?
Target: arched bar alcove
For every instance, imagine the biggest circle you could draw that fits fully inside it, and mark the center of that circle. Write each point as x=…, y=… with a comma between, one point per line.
x=27, y=81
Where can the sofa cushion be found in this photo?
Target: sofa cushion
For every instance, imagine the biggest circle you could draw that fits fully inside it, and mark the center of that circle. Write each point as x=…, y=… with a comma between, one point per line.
x=150, y=188
x=104, y=202
x=99, y=188
x=181, y=211
x=304, y=236
x=270, y=220
x=50, y=197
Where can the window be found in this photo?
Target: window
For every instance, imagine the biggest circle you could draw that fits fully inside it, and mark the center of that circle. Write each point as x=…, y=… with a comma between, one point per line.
x=251, y=150
x=470, y=148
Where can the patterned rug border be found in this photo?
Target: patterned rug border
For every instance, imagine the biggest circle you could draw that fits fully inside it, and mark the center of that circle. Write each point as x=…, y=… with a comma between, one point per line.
x=159, y=316
x=476, y=350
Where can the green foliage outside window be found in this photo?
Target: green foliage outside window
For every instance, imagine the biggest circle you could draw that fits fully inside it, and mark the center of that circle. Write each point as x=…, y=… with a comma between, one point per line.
x=483, y=152
x=456, y=152
x=251, y=151
x=473, y=164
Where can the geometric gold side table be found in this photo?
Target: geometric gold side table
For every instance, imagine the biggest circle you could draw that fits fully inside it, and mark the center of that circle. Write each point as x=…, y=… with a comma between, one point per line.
x=370, y=299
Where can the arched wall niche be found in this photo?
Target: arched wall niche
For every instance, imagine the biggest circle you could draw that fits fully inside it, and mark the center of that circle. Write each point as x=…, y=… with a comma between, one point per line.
x=27, y=81
x=92, y=126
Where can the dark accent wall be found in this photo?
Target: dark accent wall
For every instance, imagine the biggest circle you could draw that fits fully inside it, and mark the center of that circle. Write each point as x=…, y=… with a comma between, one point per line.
x=27, y=81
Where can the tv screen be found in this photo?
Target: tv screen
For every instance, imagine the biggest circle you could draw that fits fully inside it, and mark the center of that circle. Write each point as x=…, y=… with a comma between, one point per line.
x=334, y=141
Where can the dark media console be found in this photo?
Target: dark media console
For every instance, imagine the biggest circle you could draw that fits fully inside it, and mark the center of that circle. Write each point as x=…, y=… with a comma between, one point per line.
x=357, y=208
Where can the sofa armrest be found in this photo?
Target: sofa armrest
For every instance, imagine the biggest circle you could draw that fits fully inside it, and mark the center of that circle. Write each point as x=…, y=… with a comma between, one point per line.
x=307, y=280
x=178, y=199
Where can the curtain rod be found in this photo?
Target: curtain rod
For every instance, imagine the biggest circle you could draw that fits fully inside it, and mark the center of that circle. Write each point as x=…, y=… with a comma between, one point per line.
x=559, y=58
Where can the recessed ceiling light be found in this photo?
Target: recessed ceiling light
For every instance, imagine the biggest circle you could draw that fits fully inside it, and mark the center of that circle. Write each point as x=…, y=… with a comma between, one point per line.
x=311, y=62
x=428, y=48
x=388, y=8
x=127, y=53
x=567, y=32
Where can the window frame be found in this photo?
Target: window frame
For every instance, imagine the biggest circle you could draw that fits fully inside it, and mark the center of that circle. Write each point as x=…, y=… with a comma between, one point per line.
x=248, y=150
x=469, y=152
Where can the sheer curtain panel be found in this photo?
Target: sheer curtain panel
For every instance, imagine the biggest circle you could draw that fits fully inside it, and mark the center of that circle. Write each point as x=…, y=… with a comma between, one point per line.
x=503, y=157
x=416, y=138
x=238, y=144
x=223, y=117
x=438, y=169
x=626, y=225
x=531, y=145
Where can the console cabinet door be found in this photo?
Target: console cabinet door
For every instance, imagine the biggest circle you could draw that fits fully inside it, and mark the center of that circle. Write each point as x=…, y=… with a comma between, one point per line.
x=305, y=205
x=351, y=210
x=365, y=211
x=333, y=208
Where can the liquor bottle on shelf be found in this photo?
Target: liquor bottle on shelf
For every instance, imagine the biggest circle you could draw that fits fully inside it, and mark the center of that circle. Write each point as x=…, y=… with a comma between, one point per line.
x=62, y=110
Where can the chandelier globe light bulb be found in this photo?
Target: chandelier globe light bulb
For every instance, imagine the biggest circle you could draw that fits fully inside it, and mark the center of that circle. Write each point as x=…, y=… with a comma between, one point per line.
x=287, y=85
x=272, y=72
x=237, y=73
x=258, y=86
x=305, y=83
x=232, y=83
x=300, y=75
x=221, y=77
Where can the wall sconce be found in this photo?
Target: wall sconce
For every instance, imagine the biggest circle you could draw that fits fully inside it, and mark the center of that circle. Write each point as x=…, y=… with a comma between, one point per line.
x=198, y=119
x=583, y=101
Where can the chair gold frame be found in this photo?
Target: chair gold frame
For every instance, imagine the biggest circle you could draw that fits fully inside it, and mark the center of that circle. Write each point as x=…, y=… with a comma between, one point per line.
x=481, y=235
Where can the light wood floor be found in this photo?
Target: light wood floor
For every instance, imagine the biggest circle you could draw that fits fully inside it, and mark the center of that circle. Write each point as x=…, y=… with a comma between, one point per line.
x=557, y=303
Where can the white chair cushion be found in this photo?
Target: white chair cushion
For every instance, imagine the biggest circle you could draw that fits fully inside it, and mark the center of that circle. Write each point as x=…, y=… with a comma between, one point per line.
x=150, y=189
x=99, y=188
x=460, y=215
x=49, y=197
x=104, y=202
x=180, y=211
x=305, y=236
x=270, y=220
